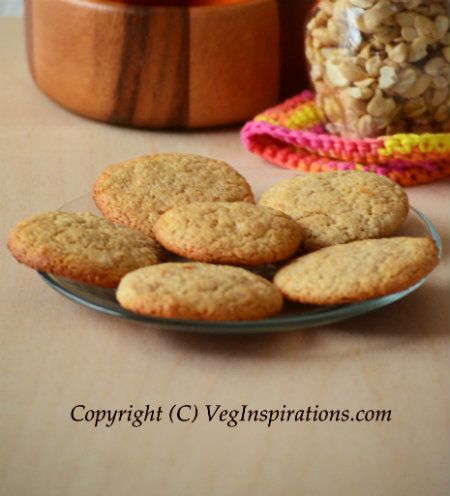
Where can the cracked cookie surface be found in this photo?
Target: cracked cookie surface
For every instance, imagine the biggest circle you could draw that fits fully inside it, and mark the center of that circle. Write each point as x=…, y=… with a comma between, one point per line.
x=81, y=247
x=339, y=207
x=199, y=291
x=136, y=192
x=357, y=271
x=236, y=233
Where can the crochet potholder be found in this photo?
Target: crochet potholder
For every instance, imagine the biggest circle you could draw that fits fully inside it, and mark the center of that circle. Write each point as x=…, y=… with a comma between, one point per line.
x=292, y=135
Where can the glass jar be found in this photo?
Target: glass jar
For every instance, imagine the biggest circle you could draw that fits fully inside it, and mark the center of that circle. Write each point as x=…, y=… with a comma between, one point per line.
x=381, y=67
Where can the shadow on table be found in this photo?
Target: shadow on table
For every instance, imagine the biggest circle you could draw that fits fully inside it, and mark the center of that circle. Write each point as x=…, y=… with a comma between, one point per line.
x=402, y=323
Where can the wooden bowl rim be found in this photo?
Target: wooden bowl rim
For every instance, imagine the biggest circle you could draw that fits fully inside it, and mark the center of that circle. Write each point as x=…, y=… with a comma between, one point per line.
x=111, y=6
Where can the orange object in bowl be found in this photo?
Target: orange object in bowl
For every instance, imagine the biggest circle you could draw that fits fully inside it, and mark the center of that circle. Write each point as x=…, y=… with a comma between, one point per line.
x=179, y=3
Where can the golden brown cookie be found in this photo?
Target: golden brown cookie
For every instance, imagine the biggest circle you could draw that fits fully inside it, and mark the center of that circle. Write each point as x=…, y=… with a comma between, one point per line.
x=82, y=247
x=135, y=193
x=338, y=207
x=357, y=271
x=199, y=291
x=236, y=233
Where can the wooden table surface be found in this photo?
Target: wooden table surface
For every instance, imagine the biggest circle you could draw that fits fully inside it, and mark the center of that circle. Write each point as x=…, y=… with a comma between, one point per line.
x=56, y=354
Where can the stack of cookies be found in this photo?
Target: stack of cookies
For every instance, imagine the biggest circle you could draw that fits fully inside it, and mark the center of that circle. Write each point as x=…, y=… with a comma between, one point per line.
x=330, y=229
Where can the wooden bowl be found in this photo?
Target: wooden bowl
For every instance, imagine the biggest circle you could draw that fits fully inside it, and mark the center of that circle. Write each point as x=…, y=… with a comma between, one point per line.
x=153, y=66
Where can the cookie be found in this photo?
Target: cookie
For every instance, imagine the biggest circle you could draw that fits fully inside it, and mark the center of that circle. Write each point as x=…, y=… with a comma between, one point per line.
x=82, y=247
x=135, y=193
x=199, y=291
x=357, y=271
x=236, y=233
x=339, y=207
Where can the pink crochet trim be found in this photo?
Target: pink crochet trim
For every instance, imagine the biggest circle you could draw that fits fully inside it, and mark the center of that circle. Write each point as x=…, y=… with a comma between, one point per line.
x=291, y=135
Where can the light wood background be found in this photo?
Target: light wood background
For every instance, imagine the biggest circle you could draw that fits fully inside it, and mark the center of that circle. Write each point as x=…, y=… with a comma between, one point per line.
x=56, y=354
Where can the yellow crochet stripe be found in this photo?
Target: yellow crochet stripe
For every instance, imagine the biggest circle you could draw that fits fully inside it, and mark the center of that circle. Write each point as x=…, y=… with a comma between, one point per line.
x=306, y=116
x=303, y=117
x=265, y=118
x=425, y=143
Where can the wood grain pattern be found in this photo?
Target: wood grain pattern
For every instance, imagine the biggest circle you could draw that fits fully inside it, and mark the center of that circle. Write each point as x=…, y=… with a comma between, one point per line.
x=111, y=64
x=55, y=354
x=149, y=41
x=150, y=66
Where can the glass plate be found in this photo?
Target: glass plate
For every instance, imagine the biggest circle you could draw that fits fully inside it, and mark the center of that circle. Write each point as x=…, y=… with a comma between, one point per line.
x=294, y=316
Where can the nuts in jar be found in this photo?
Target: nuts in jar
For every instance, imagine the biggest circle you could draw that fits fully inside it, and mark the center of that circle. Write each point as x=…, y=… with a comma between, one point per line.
x=381, y=66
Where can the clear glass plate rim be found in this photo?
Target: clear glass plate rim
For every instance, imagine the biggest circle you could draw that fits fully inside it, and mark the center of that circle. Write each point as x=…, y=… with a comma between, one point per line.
x=309, y=318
